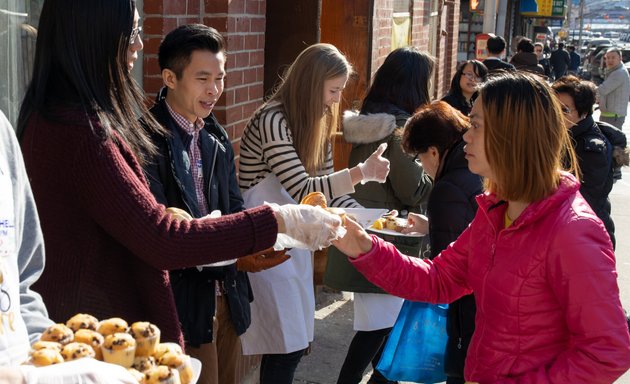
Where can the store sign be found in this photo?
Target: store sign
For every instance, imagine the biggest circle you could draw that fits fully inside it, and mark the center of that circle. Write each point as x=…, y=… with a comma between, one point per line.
x=543, y=8
x=481, y=46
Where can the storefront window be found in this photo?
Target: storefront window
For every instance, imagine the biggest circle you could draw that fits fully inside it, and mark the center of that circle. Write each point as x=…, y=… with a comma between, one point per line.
x=18, y=33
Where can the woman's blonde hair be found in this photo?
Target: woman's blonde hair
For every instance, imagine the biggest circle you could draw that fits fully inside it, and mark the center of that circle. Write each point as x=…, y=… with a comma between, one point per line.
x=526, y=142
x=301, y=92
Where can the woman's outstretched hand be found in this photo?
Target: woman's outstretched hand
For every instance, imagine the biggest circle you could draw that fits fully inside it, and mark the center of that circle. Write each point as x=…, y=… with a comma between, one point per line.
x=355, y=242
x=304, y=226
x=417, y=224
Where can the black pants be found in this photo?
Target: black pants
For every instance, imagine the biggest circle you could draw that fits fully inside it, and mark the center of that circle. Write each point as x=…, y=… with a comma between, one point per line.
x=366, y=347
x=279, y=368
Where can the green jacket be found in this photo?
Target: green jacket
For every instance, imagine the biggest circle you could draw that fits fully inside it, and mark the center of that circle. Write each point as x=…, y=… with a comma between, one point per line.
x=407, y=188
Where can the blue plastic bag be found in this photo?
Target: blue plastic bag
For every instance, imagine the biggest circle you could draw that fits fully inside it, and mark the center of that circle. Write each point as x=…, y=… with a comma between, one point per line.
x=415, y=348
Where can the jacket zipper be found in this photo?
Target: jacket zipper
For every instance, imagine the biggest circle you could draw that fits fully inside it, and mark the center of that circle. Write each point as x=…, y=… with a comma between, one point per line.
x=214, y=161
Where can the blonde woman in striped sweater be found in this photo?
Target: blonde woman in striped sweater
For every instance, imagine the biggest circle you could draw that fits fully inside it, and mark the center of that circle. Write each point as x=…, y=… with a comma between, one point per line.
x=286, y=153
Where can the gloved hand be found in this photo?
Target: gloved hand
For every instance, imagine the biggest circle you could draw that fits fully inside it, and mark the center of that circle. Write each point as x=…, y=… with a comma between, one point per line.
x=376, y=167
x=262, y=260
x=306, y=227
x=85, y=371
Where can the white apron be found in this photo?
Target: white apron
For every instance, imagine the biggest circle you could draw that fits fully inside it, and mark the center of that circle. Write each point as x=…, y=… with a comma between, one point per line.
x=283, y=310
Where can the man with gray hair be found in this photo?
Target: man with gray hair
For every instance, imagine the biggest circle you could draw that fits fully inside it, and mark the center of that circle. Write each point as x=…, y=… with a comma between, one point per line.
x=614, y=92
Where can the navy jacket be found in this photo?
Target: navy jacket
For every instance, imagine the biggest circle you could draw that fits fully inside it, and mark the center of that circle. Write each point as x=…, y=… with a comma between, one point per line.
x=451, y=207
x=171, y=183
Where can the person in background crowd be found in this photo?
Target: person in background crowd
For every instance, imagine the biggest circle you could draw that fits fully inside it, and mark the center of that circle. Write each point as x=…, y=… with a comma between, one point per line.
x=591, y=145
x=614, y=92
x=536, y=256
x=560, y=61
x=435, y=133
x=543, y=60
x=23, y=316
x=109, y=242
x=188, y=54
x=575, y=60
x=525, y=58
x=399, y=87
x=496, y=51
x=464, y=85
x=286, y=153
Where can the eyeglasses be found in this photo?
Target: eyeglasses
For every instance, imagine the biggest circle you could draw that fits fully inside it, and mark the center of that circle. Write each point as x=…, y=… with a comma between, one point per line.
x=134, y=34
x=471, y=76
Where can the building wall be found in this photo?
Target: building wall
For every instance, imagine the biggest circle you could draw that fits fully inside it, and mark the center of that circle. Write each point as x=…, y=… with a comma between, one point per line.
x=242, y=24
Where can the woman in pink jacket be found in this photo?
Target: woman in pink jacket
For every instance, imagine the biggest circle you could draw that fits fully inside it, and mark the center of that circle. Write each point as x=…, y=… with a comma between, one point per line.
x=536, y=256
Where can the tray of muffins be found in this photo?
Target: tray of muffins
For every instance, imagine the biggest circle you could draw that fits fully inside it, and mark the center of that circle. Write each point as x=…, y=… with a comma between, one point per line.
x=136, y=347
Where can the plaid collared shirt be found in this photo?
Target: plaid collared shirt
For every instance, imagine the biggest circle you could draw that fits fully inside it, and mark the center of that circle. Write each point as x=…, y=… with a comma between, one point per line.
x=194, y=154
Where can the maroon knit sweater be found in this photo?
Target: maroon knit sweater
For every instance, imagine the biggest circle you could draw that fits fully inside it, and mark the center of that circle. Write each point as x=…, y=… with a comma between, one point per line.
x=108, y=242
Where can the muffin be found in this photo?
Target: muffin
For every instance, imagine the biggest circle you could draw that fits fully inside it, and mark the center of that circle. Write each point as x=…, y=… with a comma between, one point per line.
x=74, y=350
x=59, y=333
x=139, y=376
x=47, y=345
x=180, y=362
x=44, y=357
x=163, y=348
x=144, y=363
x=82, y=321
x=147, y=337
x=110, y=326
x=162, y=375
x=91, y=338
x=120, y=349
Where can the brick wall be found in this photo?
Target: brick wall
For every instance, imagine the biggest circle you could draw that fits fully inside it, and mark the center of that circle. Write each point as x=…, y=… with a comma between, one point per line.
x=242, y=24
x=381, y=32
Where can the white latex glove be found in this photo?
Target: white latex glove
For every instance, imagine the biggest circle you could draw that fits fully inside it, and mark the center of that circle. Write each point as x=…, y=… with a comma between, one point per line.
x=84, y=371
x=306, y=227
x=376, y=167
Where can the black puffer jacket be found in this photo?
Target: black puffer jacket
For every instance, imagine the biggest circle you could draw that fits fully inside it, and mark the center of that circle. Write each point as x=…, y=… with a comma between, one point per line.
x=593, y=151
x=450, y=209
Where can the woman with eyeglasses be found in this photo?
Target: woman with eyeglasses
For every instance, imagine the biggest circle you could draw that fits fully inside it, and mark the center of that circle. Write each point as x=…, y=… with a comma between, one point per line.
x=577, y=98
x=464, y=85
x=435, y=133
x=535, y=255
x=109, y=244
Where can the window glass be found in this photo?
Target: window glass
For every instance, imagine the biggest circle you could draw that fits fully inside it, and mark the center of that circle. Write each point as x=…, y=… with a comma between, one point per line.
x=18, y=33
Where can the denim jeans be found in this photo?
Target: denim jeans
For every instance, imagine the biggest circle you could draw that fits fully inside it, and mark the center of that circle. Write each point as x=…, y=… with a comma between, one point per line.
x=279, y=368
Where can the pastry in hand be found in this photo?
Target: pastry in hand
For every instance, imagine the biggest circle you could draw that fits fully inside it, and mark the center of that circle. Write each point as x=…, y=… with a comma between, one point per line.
x=119, y=348
x=59, y=333
x=44, y=357
x=316, y=199
x=110, y=326
x=147, y=336
x=180, y=362
x=91, y=338
x=82, y=321
x=162, y=375
x=74, y=351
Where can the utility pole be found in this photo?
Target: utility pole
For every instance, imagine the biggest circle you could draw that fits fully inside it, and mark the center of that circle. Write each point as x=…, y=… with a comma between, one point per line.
x=581, y=17
x=569, y=9
x=490, y=16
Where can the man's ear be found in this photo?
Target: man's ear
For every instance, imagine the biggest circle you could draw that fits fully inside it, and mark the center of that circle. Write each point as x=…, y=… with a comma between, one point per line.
x=169, y=78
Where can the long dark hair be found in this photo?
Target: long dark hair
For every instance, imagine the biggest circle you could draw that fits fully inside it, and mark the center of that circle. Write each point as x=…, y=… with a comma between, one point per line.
x=456, y=89
x=402, y=80
x=80, y=63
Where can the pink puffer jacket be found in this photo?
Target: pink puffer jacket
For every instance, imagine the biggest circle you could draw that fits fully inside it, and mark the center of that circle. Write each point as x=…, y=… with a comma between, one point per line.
x=548, y=308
